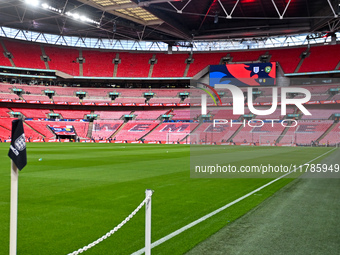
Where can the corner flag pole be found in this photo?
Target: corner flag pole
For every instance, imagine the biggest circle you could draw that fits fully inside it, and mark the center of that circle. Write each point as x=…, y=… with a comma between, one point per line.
x=17, y=153
x=14, y=209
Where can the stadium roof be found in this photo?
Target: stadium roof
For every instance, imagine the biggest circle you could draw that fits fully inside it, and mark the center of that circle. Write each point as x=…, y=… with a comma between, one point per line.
x=172, y=21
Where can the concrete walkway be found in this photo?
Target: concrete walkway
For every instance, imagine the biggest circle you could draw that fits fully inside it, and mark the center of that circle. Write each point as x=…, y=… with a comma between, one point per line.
x=302, y=218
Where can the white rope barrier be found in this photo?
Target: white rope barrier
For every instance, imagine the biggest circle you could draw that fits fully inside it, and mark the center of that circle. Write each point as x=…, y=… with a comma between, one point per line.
x=111, y=232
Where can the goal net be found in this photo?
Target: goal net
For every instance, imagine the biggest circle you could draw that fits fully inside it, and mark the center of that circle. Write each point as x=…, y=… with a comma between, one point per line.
x=177, y=137
x=269, y=140
x=193, y=138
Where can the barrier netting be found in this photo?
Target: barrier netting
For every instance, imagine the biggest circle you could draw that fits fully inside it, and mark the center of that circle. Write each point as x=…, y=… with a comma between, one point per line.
x=111, y=232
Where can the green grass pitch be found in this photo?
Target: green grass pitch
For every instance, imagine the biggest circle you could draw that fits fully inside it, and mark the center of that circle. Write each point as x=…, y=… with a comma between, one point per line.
x=78, y=192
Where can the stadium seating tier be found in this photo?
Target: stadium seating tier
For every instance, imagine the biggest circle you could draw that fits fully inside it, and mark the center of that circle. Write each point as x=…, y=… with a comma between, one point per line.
x=25, y=54
x=99, y=63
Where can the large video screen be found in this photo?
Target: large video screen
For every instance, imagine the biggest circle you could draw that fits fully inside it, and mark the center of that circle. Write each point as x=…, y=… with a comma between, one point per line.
x=244, y=75
x=63, y=130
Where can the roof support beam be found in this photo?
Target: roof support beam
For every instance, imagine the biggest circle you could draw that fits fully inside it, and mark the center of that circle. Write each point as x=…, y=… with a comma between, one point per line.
x=135, y=5
x=181, y=10
x=21, y=19
x=330, y=5
x=229, y=16
x=65, y=5
x=284, y=12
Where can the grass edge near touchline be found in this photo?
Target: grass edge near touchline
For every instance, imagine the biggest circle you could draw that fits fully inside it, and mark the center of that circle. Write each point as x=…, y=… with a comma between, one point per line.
x=179, y=231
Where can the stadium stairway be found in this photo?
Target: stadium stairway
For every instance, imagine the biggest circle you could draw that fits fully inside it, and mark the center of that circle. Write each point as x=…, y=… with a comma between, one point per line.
x=327, y=131
x=284, y=132
x=337, y=66
x=330, y=97
x=233, y=135
x=80, y=60
x=118, y=130
x=7, y=53
x=44, y=57
x=188, y=61
x=116, y=62
x=90, y=128
x=160, y=123
x=303, y=55
x=89, y=131
x=191, y=132
x=152, y=63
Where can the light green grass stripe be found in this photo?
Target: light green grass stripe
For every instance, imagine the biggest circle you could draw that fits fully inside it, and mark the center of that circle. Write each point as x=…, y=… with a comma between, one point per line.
x=194, y=223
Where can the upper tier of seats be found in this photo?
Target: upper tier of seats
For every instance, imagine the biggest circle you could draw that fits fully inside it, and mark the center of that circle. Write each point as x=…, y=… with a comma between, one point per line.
x=169, y=65
x=25, y=54
x=100, y=63
x=288, y=58
x=202, y=60
x=63, y=59
x=323, y=58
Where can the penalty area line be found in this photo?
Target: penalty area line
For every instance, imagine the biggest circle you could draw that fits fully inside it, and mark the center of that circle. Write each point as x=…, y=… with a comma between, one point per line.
x=192, y=224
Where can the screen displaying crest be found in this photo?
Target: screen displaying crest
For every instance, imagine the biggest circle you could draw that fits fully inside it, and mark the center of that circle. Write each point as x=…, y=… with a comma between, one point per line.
x=244, y=75
x=63, y=130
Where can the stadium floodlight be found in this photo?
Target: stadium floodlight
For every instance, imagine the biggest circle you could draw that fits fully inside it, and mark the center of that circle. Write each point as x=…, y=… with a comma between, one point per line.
x=76, y=16
x=82, y=18
x=51, y=8
x=32, y=2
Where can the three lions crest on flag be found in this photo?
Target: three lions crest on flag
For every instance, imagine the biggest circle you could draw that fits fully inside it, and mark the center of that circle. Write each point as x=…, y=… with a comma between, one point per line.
x=17, y=151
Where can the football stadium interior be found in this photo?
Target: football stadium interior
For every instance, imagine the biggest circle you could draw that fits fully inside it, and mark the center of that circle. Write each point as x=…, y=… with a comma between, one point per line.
x=130, y=75
x=132, y=111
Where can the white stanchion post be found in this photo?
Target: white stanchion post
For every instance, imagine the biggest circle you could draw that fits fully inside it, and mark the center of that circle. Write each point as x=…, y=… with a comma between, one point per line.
x=14, y=210
x=148, y=193
x=204, y=104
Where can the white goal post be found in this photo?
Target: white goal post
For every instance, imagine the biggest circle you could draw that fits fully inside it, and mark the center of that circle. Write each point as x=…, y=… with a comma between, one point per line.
x=193, y=138
x=267, y=140
x=174, y=137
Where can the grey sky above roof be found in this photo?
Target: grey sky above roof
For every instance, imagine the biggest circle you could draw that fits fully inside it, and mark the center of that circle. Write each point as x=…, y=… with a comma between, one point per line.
x=172, y=20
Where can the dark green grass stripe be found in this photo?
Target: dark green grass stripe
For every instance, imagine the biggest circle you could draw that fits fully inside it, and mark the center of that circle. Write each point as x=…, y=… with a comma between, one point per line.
x=78, y=192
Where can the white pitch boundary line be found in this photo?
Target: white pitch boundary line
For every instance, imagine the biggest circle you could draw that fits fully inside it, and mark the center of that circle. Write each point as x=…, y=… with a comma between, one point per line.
x=190, y=225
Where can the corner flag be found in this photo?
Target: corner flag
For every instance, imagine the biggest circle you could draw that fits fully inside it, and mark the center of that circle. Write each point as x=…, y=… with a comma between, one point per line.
x=17, y=151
